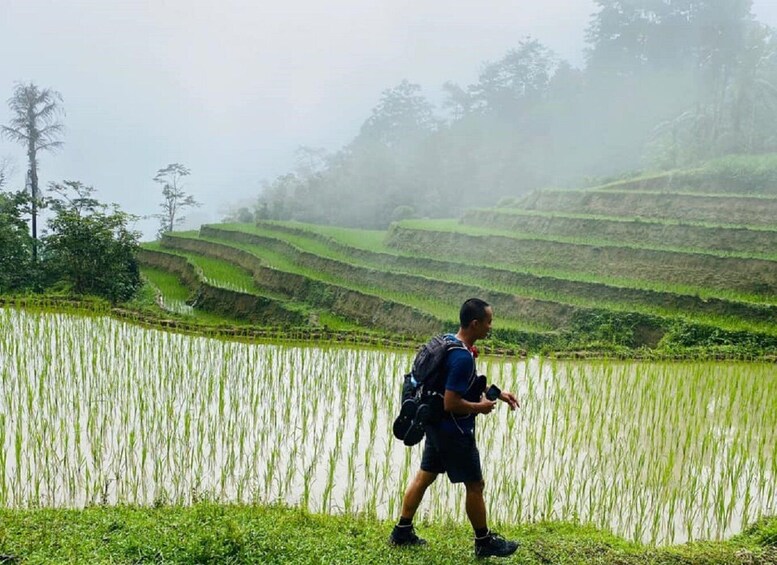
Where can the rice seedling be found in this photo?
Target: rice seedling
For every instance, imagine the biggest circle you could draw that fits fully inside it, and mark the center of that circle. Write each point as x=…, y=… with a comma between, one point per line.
x=98, y=411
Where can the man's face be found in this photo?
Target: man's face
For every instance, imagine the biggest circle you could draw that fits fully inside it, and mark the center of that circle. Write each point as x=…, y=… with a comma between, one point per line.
x=482, y=327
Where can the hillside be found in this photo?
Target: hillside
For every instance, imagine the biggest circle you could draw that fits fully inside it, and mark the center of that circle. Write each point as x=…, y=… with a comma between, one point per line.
x=620, y=267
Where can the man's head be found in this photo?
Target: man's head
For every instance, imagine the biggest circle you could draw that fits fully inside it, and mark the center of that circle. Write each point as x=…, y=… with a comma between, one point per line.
x=475, y=318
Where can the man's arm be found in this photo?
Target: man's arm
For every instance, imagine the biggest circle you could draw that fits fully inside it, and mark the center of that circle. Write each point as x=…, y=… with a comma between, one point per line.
x=453, y=402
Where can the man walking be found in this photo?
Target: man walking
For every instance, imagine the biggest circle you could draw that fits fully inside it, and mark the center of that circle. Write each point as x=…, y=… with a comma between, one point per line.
x=450, y=443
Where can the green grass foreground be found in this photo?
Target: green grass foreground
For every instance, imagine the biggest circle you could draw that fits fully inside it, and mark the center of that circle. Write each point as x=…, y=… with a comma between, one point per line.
x=213, y=533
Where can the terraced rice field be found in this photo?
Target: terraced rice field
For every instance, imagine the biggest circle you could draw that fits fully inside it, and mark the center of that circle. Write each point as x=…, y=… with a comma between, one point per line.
x=373, y=285
x=640, y=264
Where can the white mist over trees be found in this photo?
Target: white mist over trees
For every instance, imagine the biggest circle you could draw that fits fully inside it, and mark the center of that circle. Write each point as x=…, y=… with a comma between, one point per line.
x=35, y=125
x=666, y=84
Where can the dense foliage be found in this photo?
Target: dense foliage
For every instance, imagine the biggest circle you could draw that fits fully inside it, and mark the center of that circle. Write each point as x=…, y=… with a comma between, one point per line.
x=88, y=250
x=665, y=85
x=15, y=242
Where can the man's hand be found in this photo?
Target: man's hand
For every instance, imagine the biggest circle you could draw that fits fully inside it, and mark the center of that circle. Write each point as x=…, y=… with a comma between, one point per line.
x=510, y=399
x=485, y=406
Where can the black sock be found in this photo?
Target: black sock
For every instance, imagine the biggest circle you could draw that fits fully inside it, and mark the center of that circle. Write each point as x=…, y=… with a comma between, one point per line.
x=404, y=522
x=481, y=533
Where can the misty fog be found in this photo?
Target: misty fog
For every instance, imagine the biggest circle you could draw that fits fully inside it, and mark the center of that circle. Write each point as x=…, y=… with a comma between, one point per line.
x=365, y=112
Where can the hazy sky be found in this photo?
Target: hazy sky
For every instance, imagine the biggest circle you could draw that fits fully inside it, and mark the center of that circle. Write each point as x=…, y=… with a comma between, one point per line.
x=231, y=88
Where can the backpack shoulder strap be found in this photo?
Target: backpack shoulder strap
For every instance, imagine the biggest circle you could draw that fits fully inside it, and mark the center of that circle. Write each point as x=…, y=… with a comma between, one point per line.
x=436, y=380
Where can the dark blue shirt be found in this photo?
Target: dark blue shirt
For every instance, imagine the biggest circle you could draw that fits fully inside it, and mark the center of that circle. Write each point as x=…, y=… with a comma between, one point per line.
x=460, y=378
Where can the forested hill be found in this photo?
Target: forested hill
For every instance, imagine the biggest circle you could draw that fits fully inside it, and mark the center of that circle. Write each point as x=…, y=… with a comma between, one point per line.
x=664, y=85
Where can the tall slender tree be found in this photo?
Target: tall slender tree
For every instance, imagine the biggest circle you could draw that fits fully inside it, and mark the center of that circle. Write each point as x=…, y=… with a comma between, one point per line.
x=35, y=124
x=174, y=199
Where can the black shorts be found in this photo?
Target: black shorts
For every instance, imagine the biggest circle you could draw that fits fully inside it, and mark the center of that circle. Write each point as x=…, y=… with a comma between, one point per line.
x=454, y=453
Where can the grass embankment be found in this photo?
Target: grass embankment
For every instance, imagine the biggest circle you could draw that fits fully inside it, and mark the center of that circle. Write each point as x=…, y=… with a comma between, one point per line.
x=748, y=210
x=211, y=533
x=527, y=280
x=732, y=174
x=728, y=310
x=325, y=250
x=272, y=257
x=386, y=289
x=353, y=274
x=751, y=277
x=170, y=294
x=219, y=273
x=334, y=292
x=404, y=288
x=593, y=236
x=226, y=275
x=756, y=241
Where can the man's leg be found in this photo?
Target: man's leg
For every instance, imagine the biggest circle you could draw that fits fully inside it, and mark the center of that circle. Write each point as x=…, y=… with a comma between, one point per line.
x=415, y=493
x=476, y=505
x=404, y=533
x=487, y=544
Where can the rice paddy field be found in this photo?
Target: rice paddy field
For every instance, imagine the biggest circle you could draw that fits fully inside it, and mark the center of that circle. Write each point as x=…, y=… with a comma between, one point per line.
x=95, y=410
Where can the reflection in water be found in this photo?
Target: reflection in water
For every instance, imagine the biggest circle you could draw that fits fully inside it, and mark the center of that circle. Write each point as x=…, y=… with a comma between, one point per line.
x=94, y=410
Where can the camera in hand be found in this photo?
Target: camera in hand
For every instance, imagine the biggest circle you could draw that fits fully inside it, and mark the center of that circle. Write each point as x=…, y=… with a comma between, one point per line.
x=493, y=392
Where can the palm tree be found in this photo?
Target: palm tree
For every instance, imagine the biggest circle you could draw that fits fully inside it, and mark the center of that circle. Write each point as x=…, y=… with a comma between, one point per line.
x=35, y=125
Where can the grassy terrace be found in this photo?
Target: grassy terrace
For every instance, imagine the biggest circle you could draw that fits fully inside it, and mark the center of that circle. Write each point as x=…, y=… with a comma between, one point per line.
x=756, y=241
x=746, y=275
x=172, y=292
x=357, y=276
x=344, y=242
x=388, y=283
x=216, y=272
x=226, y=275
x=171, y=296
x=742, y=211
x=733, y=174
x=335, y=243
x=445, y=311
x=452, y=225
x=517, y=211
x=541, y=311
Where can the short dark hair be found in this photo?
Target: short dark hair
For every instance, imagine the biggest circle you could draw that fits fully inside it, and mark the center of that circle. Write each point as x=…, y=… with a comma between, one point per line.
x=472, y=309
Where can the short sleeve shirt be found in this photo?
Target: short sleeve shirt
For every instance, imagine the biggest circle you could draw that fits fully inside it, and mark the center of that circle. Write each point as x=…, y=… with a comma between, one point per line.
x=460, y=376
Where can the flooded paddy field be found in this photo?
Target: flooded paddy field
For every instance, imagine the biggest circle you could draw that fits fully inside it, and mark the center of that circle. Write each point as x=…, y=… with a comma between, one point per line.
x=97, y=411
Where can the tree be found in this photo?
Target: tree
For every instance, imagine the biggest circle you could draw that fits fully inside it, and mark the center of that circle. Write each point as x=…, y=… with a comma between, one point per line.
x=15, y=243
x=90, y=248
x=35, y=125
x=734, y=109
x=387, y=165
x=402, y=114
x=498, y=143
x=174, y=197
x=81, y=200
x=513, y=85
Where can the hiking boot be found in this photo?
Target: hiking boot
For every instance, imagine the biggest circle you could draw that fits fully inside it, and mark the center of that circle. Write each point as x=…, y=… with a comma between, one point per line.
x=405, y=418
x=494, y=545
x=415, y=432
x=405, y=536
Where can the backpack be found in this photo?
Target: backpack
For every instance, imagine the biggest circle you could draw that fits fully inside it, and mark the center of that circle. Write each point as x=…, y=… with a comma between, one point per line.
x=426, y=377
x=425, y=385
